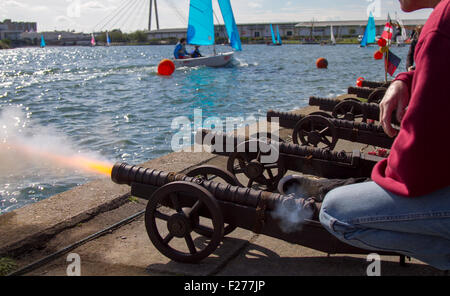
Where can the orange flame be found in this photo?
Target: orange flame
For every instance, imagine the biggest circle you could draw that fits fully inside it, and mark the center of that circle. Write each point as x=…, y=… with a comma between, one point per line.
x=80, y=162
x=94, y=166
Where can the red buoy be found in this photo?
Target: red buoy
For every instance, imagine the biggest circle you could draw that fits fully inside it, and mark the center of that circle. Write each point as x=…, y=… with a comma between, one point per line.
x=359, y=81
x=166, y=67
x=378, y=55
x=322, y=63
x=382, y=42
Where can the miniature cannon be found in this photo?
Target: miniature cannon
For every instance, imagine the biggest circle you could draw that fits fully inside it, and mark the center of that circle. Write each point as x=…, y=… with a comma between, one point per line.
x=375, y=84
x=246, y=159
x=372, y=95
x=178, y=204
x=349, y=109
x=313, y=130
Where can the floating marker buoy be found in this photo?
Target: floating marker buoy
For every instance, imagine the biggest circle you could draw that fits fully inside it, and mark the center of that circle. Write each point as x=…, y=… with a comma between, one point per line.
x=378, y=55
x=359, y=81
x=382, y=42
x=322, y=63
x=166, y=67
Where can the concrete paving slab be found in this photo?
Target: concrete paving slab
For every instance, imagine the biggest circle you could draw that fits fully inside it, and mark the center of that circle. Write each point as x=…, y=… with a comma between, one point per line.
x=129, y=251
x=267, y=256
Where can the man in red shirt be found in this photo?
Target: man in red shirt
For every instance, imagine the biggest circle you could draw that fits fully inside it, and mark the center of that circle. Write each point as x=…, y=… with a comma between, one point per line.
x=407, y=207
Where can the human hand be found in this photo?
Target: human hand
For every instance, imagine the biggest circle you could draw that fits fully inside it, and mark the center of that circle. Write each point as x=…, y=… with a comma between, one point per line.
x=396, y=98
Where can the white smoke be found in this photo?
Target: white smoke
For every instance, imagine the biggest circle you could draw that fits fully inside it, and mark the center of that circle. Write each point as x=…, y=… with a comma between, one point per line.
x=292, y=213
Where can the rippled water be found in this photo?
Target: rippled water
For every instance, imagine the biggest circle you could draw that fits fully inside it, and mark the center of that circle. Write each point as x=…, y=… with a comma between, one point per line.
x=111, y=101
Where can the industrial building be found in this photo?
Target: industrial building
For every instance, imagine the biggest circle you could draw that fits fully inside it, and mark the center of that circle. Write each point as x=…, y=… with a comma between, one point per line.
x=12, y=30
x=294, y=30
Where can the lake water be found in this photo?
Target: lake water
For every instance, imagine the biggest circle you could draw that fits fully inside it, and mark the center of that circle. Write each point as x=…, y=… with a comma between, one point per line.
x=110, y=102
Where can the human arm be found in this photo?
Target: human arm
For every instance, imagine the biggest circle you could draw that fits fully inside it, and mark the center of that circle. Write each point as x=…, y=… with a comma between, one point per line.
x=396, y=98
x=414, y=166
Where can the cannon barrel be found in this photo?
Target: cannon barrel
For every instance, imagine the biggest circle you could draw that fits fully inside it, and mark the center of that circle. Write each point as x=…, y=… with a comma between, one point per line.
x=308, y=160
x=123, y=173
x=360, y=132
x=360, y=92
x=289, y=120
x=325, y=104
x=284, y=148
x=375, y=84
x=369, y=110
x=373, y=95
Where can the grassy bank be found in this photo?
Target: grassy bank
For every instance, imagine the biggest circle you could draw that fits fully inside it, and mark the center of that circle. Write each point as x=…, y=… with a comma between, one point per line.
x=5, y=44
x=7, y=265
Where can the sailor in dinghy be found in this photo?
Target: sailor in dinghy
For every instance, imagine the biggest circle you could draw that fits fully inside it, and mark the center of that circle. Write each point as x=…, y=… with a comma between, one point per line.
x=201, y=32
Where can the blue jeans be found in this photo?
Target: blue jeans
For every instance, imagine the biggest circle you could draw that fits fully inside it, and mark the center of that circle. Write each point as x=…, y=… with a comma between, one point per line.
x=367, y=216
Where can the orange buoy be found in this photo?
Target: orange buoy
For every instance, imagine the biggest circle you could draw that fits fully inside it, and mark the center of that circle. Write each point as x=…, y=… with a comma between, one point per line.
x=322, y=63
x=166, y=67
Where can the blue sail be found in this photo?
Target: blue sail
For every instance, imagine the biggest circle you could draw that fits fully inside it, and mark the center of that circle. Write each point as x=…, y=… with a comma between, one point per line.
x=230, y=24
x=42, y=41
x=370, y=32
x=273, y=34
x=201, y=23
x=108, y=39
x=278, y=36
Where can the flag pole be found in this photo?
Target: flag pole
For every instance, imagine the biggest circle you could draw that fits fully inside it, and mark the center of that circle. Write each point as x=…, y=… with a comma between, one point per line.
x=386, y=60
x=386, y=63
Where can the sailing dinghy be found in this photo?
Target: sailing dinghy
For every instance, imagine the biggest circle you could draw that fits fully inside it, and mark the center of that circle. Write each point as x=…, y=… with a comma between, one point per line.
x=276, y=42
x=333, y=40
x=201, y=32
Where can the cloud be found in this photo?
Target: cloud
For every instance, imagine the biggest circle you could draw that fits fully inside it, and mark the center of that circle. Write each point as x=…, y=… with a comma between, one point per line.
x=254, y=5
x=13, y=4
x=63, y=19
x=93, y=5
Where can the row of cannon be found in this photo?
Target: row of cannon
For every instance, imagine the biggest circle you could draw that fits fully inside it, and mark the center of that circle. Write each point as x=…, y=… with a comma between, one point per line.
x=206, y=203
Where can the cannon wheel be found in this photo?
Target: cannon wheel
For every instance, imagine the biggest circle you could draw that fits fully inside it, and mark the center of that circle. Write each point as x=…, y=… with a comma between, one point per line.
x=349, y=110
x=185, y=220
x=314, y=130
x=249, y=164
x=209, y=173
x=377, y=95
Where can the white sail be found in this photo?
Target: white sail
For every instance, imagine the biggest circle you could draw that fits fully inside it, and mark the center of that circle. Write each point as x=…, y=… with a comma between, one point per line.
x=333, y=40
x=403, y=37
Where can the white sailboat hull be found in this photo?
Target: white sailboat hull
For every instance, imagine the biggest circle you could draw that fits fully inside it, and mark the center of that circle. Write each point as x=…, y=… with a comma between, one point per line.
x=220, y=60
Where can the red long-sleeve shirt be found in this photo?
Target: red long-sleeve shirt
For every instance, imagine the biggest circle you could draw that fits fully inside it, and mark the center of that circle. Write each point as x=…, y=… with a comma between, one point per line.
x=419, y=162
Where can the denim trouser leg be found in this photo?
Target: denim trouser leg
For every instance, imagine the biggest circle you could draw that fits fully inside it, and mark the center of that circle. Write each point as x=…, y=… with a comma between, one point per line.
x=367, y=216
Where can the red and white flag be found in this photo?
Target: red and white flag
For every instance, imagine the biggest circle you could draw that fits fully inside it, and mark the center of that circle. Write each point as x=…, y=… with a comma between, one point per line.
x=388, y=32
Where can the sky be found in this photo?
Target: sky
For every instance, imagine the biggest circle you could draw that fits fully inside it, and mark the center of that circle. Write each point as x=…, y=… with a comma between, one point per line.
x=129, y=15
